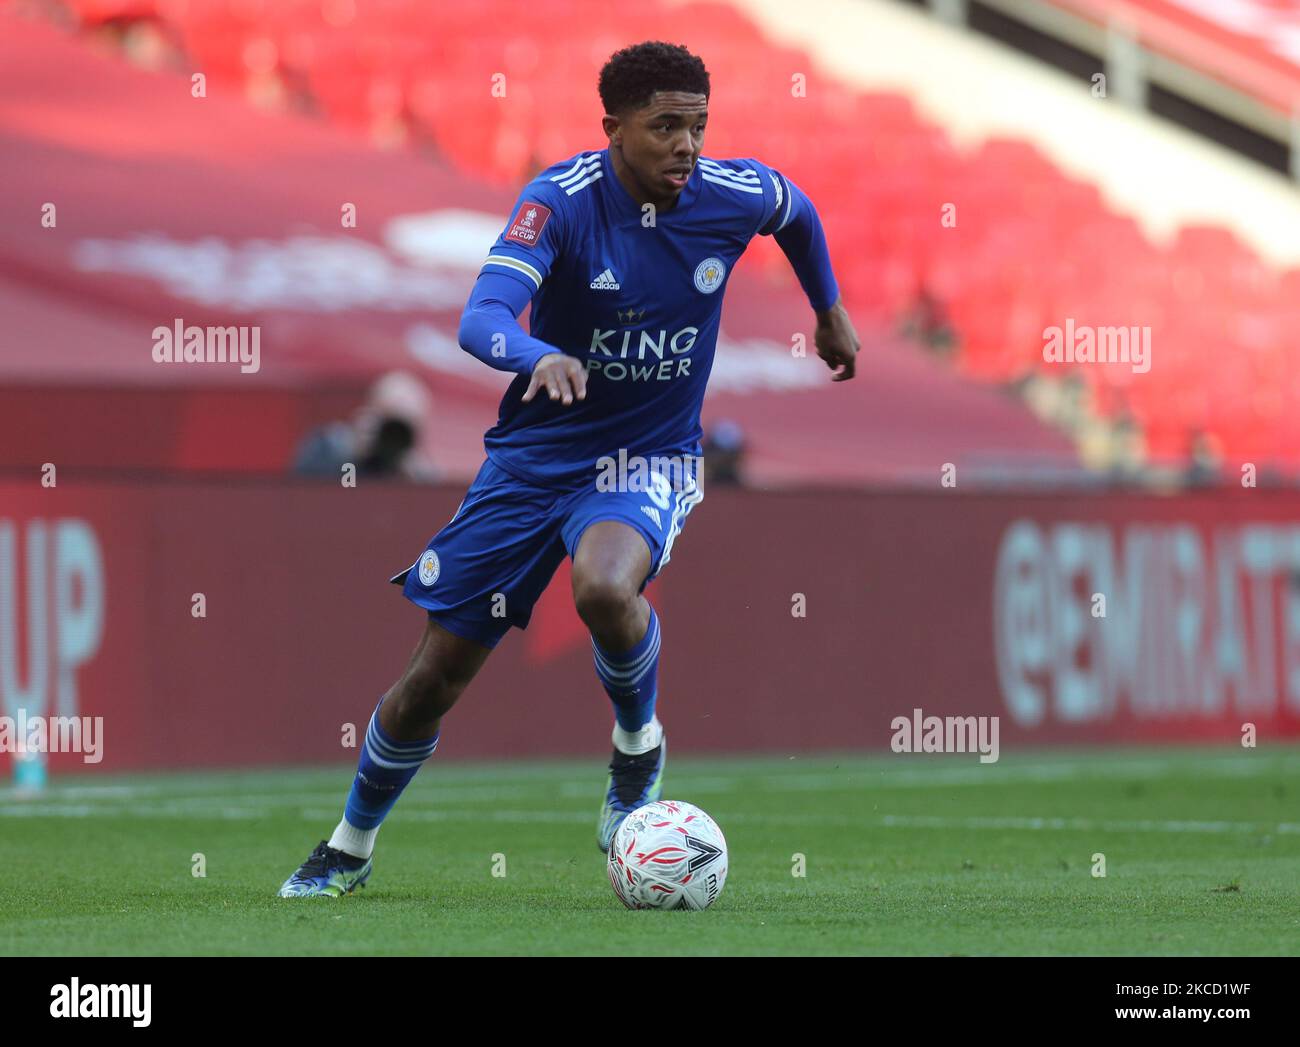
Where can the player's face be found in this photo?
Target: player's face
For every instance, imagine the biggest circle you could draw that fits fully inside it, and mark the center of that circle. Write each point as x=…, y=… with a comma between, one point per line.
x=661, y=143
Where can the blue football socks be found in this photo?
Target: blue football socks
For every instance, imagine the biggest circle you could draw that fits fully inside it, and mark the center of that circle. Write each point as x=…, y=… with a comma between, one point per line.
x=383, y=771
x=631, y=678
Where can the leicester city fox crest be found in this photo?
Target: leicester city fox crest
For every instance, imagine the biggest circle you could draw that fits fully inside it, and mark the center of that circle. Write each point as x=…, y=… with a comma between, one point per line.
x=709, y=274
x=429, y=568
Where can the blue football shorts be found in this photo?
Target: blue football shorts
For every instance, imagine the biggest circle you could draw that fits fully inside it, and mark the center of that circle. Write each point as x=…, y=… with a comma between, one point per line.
x=485, y=570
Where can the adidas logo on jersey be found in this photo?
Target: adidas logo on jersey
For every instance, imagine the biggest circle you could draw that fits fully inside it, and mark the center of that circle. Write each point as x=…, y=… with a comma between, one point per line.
x=654, y=515
x=605, y=282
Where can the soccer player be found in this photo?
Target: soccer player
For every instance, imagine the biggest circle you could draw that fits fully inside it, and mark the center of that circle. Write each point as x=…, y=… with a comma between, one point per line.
x=624, y=254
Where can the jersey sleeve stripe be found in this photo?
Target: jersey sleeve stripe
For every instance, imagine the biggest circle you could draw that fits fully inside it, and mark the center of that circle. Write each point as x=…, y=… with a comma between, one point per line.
x=584, y=183
x=507, y=262
x=789, y=199
x=572, y=175
x=713, y=167
x=732, y=185
x=584, y=159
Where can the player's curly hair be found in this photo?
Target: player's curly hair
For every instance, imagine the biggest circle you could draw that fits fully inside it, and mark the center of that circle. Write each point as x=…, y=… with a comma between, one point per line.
x=631, y=76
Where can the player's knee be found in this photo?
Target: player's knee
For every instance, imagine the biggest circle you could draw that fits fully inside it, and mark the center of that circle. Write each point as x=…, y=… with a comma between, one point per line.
x=598, y=598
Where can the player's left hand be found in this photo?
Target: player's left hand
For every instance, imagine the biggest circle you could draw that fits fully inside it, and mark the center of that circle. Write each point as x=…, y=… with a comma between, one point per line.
x=836, y=340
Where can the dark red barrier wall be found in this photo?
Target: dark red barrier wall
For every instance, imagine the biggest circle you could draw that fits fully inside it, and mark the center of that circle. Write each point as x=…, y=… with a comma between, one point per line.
x=976, y=604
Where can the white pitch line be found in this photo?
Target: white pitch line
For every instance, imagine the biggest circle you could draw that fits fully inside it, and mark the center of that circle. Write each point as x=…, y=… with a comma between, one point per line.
x=866, y=779
x=884, y=821
x=181, y=799
x=942, y=771
x=905, y=821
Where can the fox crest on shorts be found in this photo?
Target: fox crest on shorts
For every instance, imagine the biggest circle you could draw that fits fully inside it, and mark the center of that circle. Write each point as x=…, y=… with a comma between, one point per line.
x=430, y=568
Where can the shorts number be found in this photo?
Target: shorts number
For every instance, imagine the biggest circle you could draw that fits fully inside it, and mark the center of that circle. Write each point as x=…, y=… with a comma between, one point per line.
x=660, y=490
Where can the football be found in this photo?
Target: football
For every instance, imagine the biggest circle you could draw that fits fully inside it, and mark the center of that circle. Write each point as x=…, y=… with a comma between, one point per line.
x=668, y=855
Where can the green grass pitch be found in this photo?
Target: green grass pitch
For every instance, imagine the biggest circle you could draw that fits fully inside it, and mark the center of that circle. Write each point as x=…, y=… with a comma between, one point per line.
x=915, y=855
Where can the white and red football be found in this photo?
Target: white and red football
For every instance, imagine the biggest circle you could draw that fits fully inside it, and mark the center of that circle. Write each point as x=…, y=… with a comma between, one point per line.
x=668, y=855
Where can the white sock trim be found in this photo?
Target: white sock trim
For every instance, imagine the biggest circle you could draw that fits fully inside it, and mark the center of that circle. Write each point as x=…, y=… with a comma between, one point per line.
x=360, y=843
x=636, y=743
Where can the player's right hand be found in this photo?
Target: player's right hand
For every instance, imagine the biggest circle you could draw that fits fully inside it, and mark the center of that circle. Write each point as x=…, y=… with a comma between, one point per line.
x=561, y=375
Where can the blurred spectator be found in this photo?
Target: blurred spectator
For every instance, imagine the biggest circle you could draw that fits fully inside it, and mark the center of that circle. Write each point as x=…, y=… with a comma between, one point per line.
x=926, y=321
x=1127, y=452
x=1205, y=463
x=383, y=439
x=724, y=454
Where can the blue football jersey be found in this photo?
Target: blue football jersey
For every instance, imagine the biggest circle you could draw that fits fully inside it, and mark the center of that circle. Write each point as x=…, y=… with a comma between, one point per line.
x=636, y=296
